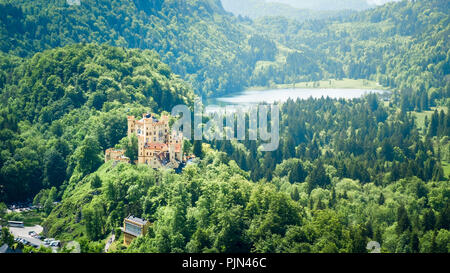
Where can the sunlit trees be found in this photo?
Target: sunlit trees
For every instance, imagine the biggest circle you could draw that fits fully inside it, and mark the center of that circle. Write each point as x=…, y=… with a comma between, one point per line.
x=96, y=181
x=94, y=220
x=87, y=155
x=6, y=237
x=130, y=144
x=403, y=222
x=318, y=177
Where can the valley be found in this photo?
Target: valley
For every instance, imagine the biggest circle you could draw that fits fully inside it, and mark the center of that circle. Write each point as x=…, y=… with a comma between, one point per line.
x=364, y=126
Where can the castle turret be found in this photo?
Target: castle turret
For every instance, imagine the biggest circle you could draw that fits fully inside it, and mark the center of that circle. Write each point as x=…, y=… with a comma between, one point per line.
x=131, y=125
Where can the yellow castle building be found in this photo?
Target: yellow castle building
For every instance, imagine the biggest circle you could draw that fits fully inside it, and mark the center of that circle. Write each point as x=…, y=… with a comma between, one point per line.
x=157, y=145
x=133, y=227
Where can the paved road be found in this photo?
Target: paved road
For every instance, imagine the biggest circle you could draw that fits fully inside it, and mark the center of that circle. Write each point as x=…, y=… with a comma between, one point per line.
x=18, y=232
x=23, y=231
x=110, y=241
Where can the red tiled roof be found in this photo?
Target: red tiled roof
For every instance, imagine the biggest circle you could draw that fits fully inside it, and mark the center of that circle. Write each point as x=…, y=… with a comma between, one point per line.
x=155, y=146
x=177, y=147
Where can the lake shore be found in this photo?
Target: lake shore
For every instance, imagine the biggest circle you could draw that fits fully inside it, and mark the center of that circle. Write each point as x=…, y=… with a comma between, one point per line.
x=325, y=84
x=249, y=97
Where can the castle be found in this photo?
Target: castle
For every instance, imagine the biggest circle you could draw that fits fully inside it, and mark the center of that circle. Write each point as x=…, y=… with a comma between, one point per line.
x=157, y=146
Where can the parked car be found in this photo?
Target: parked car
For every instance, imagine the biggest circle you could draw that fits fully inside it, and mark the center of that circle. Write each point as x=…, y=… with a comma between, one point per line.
x=55, y=243
x=47, y=241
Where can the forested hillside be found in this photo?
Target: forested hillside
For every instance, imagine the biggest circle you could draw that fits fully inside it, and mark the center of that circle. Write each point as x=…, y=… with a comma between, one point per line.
x=403, y=45
x=65, y=98
x=198, y=39
x=218, y=53
x=295, y=9
x=260, y=8
x=347, y=171
x=361, y=139
x=328, y=4
x=212, y=207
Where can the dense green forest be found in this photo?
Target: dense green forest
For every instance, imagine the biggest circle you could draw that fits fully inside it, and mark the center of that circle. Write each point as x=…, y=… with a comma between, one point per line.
x=212, y=207
x=346, y=172
x=361, y=139
x=327, y=4
x=198, y=39
x=329, y=192
x=57, y=98
x=261, y=8
x=402, y=45
x=219, y=53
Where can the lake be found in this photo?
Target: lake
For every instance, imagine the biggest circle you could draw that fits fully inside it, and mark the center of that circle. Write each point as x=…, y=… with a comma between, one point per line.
x=249, y=97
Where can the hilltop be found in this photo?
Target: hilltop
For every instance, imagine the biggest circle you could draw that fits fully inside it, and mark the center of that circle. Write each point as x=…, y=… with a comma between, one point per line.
x=198, y=39
x=65, y=97
x=218, y=53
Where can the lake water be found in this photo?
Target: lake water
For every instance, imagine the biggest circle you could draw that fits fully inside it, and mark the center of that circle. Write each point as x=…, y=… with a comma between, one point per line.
x=249, y=97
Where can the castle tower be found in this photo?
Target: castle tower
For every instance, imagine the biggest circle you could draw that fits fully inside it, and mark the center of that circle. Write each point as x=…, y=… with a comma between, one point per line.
x=171, y=152
x=131, y=125
x=157, y=146
x=141, y=151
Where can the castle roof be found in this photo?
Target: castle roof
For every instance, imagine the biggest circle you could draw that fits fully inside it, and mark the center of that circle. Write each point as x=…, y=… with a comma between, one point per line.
x=155, y=146
x=114, y=150
x=137, y=220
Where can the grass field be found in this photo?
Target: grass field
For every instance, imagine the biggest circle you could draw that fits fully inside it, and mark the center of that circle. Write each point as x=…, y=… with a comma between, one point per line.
x=420, y=116
x=341, y=84
x=420, y=123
